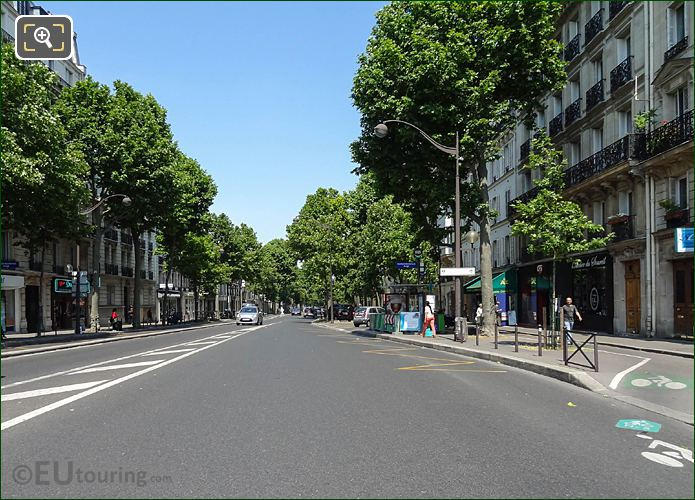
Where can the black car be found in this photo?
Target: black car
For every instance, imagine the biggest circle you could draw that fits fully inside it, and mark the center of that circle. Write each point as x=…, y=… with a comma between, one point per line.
x=344, y=312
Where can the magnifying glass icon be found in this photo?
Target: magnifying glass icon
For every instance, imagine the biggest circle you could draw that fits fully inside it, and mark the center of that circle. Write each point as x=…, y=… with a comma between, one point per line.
x=42, y=35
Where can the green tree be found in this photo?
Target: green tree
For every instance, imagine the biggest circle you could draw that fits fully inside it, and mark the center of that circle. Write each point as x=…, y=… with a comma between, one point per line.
x=41, y=173
x=471, y=67
x=550, y=224
x=277, y=271
x=140, y=142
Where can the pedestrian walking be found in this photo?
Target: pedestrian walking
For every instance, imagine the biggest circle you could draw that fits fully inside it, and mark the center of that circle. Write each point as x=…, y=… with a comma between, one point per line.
x=428, y=320
x=498, y=313
x=187, y=317
x=479, y=316
x=570, y=311
x=113, y=319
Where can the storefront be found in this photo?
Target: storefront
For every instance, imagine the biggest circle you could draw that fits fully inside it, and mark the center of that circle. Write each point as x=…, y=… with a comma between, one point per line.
x=62, y=305
x=535, y=290
x=504, y=288
x=592, y=291
x=12, y=303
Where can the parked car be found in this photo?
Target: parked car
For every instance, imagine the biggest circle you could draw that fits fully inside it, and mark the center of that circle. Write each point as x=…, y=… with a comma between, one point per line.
x=296, y=311
x=249, y=315
x=344, y=312
x=361, y=316
x=309, y=312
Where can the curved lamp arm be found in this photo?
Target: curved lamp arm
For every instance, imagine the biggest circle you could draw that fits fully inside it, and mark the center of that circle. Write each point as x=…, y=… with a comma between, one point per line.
x=446, y=149
x=126, y=201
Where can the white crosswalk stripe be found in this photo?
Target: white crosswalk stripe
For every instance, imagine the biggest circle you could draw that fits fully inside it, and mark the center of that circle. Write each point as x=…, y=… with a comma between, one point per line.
x=117, y=367
x=175, y=351
x=50, y=390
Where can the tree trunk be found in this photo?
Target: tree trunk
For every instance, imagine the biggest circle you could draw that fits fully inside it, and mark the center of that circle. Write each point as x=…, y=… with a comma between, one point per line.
x=552, y=315
x=486, y=291
x=195, y=301
x=96, y=266
x=166, y=296
x=40, y=327
x=138, y=282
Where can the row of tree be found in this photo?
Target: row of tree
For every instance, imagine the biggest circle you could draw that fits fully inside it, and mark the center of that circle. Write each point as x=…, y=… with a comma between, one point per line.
x=69, y=149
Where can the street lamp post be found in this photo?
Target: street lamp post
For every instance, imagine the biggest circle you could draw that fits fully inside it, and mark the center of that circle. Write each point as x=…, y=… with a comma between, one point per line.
x=381, y=130
x=78, y=305
x=330, y=300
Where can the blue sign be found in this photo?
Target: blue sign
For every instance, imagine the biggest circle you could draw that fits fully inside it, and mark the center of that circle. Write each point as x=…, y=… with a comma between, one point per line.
x=685, y=241
x=638, y=425
x=410, y=321
x=406, y=265
x=10, y=264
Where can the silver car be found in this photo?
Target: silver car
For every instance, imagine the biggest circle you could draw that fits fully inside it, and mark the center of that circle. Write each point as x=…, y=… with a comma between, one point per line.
x=249, y=315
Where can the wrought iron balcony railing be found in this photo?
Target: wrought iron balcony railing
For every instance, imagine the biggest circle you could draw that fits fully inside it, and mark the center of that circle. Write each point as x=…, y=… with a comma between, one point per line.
x=593, y=27
x=624, y=230
x=111, y=269
x=573, y=112
x=594, y=95
x=678, y=218
x=621, y=74
x=528, y=195
x=621, y=150
x=555, y=125
x=614, y=8
x=111, y=234
x=675, y=49
x=572, y=48
x=670, y=135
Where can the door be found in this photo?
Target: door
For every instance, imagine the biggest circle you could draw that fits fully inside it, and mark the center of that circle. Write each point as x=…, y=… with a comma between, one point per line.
x=632, y=295
x=126, y=305
x=32, y=308
x=683, y=298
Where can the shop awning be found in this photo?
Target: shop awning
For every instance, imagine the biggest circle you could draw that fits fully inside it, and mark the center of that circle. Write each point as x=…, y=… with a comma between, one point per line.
x=501, y=283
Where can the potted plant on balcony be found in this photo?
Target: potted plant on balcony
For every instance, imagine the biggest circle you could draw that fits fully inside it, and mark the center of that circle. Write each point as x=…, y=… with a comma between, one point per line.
x=644, y=120
x=672, y=210
x=617, y=219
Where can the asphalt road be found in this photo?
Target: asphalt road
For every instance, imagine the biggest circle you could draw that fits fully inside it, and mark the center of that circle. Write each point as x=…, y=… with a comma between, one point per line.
x=293, y=410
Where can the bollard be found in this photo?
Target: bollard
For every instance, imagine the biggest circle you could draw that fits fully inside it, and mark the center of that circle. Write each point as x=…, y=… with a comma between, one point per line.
x=540, y=345
x=516, y=338
x=496, y=335
x=563, y=339
x=595, y=354
x=477, y=334
x=545, y=327
x=465, y=330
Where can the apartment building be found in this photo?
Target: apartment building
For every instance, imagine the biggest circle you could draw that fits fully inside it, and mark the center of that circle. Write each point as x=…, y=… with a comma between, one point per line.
x=624, y=59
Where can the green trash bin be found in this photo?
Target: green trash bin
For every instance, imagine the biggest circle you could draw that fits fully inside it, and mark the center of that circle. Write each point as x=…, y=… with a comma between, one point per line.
x=441, y=324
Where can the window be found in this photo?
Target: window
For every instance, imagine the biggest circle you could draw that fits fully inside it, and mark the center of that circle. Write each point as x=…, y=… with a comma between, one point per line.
x=528, y=183
x=624, y=122
x=111, y=292
x=597, y=68
x=575, y=152
x=676, y=24
x=507, y=199
x=625, y=202
x=574, y=89
x=495, y=251
x=557, y=105
x=572, y=29
x=623, y=48
x=598, y=212
x=680, y=195
x=596, y=139
x=68, y=76
x=595, y=7
x=507, y=249
x=681, y=97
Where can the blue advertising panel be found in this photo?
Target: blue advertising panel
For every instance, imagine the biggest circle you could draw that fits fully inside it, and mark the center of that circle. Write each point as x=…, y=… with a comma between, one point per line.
x=410, y=321
x=684, y=239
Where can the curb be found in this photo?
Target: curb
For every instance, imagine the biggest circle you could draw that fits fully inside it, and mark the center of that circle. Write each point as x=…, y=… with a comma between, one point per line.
x=102, y=340
x=575, y=377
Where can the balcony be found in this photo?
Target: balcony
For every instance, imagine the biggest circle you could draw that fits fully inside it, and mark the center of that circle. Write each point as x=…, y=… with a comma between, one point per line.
x=126, y=239
x=624, y=230
x=573, y=112
x=524, y=151
x=594, y=95
x=621, y=150
x=111, y=269
x=593, y=27
x=572, y=48
x=676, y=49
x=670, y=135
x=677, y=218
x=555, y=125
x=528, y=195
x=127, y=271
x=621, y=74
x=111, y=234
x=614, y=8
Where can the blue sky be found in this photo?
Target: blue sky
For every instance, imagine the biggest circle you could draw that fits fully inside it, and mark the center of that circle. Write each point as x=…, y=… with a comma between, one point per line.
x=257, y=92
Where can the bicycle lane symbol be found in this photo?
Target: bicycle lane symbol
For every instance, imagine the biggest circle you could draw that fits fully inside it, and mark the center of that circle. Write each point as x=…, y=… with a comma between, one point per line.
x=658, y=382
x=671, y=458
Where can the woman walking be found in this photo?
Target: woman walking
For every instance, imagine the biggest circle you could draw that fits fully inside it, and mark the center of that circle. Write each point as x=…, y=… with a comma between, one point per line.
x=428, y=320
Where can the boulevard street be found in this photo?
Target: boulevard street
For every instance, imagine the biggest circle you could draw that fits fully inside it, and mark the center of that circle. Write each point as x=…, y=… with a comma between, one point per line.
x=291, y=409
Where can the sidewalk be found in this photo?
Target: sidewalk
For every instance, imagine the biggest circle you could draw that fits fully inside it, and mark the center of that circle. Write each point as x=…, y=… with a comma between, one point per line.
x=17, y=345
x=551, y=364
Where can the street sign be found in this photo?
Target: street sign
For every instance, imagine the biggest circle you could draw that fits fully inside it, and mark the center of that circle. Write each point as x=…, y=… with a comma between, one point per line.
x=85, y=290
x=406, y=265
x=639, y=425
x=457, y=271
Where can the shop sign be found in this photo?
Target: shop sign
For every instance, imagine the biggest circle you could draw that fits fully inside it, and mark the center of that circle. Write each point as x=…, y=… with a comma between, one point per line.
x=10, y=264
x=10, y=282
x=594, y=299
x=589, y=262
x=685, y=241
x=62, y=285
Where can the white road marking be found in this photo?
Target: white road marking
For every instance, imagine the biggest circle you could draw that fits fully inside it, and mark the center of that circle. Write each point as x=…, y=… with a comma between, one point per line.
x=45, y=409
x=619, y=376
x=63, y=372
x=175, y=351
x=117, y=367
x=202, y=343
x=50, y=390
